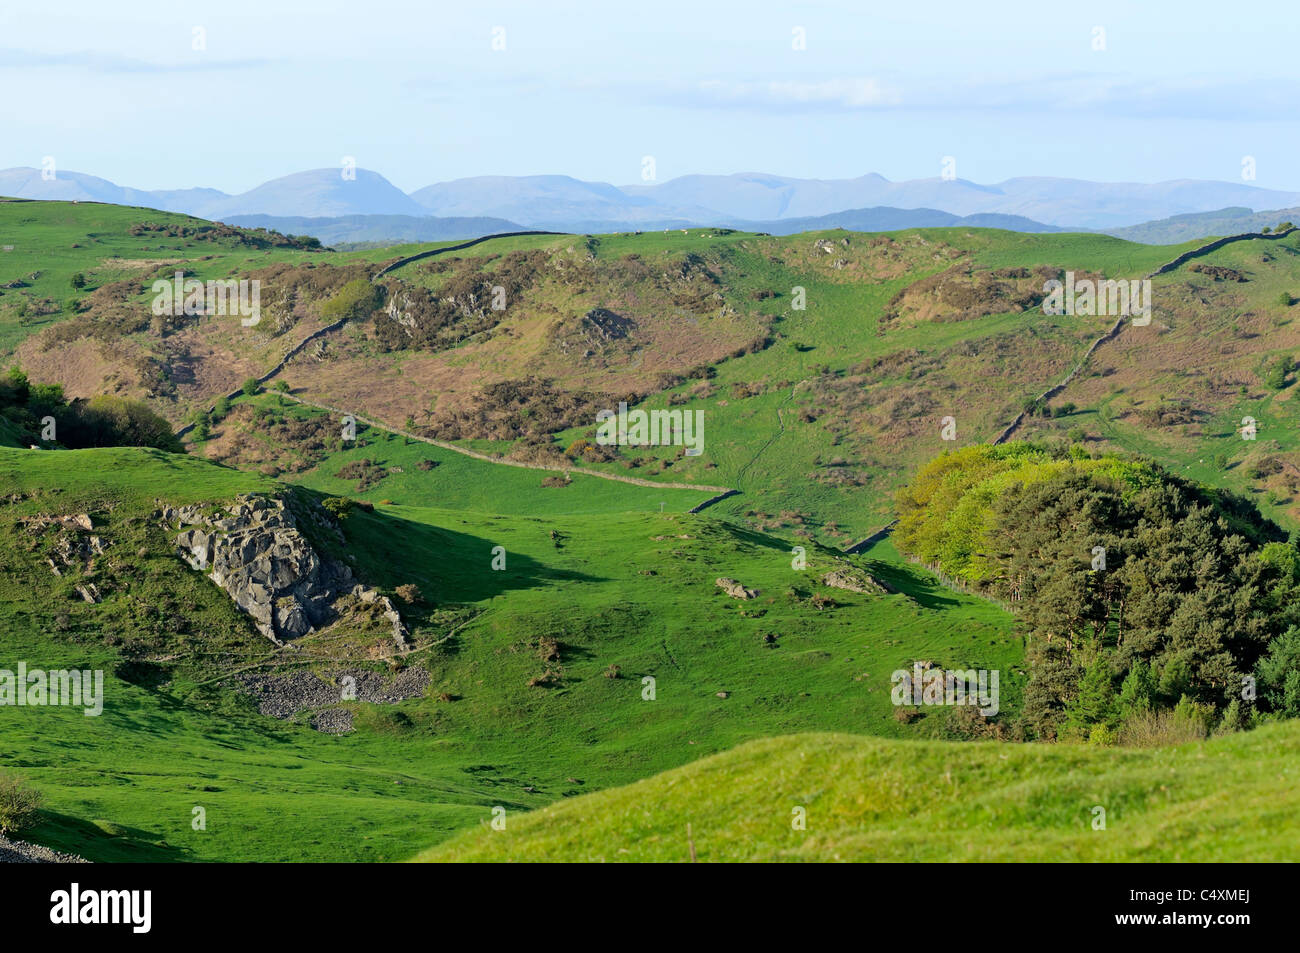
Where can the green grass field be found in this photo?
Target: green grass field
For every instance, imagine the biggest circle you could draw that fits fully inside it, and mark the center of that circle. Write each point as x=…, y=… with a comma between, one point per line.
x=628, y=589
x=871, y=799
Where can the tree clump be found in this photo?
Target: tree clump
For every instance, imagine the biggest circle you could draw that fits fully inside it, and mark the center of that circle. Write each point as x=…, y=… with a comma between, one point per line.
x=1138, y=592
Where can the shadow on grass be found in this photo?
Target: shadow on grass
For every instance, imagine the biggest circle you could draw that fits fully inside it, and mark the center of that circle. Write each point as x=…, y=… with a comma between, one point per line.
x=110, y=843
x=918, y=585
x=447, y=565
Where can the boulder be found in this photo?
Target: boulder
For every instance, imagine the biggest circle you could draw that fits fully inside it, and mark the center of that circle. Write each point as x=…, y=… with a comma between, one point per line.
x=734, y=589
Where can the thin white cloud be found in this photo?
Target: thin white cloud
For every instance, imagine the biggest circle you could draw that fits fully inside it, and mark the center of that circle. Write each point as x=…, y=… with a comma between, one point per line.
x=1204, y=98
x=853, y=93
x=111, y=63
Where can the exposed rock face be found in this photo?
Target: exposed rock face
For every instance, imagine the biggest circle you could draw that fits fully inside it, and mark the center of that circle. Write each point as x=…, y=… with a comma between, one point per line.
x=854, y=580
x=734, y=589
x=600, y=326
x=75, y=548
x=258, y=555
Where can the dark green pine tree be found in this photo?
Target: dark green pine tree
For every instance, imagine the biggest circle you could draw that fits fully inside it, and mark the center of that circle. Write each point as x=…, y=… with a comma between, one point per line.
x=1095, y=702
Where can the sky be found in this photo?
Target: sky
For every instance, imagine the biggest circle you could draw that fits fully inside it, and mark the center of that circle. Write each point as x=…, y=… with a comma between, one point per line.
x=230, y=94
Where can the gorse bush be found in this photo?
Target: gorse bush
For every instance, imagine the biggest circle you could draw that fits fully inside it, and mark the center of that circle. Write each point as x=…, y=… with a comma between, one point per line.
x=19, y=804
x=355, y=300
x=1276, y=371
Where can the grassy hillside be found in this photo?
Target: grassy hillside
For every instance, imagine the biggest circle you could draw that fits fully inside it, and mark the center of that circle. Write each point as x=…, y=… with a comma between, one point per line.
x=1181, y=394
x=823, y=362
x=1227, y=799
x=270, y=434
x=46, y=243
x=633, y=590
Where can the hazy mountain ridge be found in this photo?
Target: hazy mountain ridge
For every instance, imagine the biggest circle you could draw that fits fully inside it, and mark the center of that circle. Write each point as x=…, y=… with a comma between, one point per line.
x=569, y=204
x=1224, y=221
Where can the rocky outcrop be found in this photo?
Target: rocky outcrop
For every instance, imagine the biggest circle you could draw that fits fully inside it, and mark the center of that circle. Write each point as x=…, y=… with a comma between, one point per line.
x=75, y=549
x=854, y=580
x=601, y=326
x=255, y=551
x=734, y=589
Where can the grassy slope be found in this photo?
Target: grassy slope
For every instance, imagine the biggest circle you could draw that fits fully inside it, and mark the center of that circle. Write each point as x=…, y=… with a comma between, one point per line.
x=1228, y=799
x=759, y=444
x=979, y=370
x=457, y=481
x=1212, y=339
x=122, y=786
x=55, y=240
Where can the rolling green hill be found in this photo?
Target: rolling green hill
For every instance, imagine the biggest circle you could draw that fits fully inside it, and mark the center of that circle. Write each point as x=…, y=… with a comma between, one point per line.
x=871, y=799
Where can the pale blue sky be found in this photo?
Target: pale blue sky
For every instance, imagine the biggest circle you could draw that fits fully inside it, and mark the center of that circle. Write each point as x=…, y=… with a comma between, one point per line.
x=416, y=92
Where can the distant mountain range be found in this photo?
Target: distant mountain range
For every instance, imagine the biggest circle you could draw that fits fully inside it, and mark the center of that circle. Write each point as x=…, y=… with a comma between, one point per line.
x=1224, y=221
x=367, y=207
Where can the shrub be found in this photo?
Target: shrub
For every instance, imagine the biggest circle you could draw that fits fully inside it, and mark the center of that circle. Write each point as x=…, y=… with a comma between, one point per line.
x=250, y=387
x=906, y=715
x=355, y=300
x=338, y=506
x=18, y=804
x=821, y=601
x=106, y=421
x=968, y=723
x=1275, y=373
x=1234, y=719
x=1156, y=729
x=1102, y=736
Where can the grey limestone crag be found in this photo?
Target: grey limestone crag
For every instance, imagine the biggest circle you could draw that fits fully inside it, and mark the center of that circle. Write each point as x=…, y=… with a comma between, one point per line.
x=255, y=551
